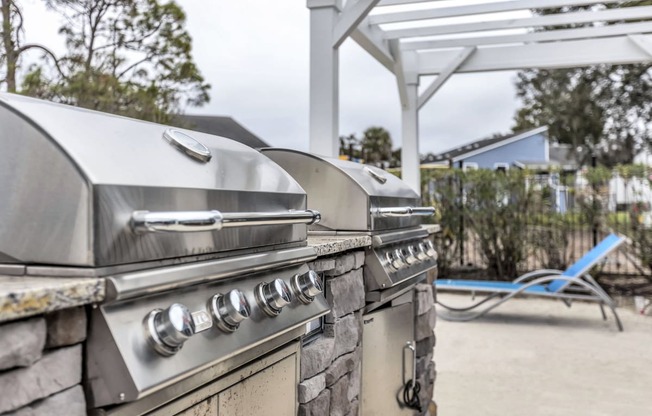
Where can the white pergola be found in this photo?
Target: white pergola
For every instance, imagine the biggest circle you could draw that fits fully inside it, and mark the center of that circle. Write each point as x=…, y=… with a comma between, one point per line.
x=486, y=37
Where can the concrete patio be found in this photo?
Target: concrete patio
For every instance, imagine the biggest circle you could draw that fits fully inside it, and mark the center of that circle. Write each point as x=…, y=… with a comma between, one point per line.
x=537, y=357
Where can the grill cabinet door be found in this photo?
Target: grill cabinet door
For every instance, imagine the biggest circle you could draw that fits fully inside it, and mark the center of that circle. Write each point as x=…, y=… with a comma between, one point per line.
x=384, y=361
x=271, y=392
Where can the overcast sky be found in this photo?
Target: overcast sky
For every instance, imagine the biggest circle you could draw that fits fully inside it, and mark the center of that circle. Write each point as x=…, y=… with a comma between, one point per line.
x=255, y=54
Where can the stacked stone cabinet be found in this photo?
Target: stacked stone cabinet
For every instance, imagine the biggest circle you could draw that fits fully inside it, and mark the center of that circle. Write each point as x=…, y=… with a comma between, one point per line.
x=331, y=363
x=41, y=365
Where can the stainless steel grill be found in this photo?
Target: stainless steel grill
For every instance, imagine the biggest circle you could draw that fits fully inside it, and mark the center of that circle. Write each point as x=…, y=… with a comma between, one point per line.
x=356, y=198
x=201, y=240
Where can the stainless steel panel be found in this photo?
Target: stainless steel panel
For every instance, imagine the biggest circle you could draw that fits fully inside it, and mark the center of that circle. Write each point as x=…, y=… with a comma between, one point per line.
x=71, y=178
x=379, y=275
x=207, y=384
x=117, y=342
x=379, y=298
x=147, y=282
x=335, y=187
x=12, y=270
x=398, y=236
x=117, y=243
x=384, y=365
x=271, y=392
x=45, y=209
x=113, y=150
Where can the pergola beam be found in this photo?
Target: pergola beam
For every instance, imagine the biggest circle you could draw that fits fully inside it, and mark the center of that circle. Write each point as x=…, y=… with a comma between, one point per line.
x=400, y=2
x=616, y=50
x=643, y=42
x=551, y=35
x=354, y=12
x=448, y=71
x=448, y=48
x=474, y=9
x=370, y=38
x=626, y=13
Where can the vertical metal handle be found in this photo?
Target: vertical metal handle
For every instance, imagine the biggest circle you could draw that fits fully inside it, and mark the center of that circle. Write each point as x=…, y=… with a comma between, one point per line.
x=410, y=346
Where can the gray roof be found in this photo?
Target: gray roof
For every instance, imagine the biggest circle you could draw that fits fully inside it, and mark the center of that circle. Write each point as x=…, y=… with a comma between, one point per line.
x=478, y=145
x=561, y=153
x=221, y=126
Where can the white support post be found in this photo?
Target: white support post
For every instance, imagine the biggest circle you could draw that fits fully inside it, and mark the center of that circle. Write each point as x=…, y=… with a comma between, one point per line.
x=324, y=78
x=410, y=162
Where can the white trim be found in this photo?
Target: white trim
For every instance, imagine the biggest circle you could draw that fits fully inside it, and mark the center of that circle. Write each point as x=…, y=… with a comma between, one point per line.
x=502, y=143
x=445, y=75
x=547, y=36
x=547, y=150
x=476, y=9
x=499, y=165
x=350, y=19
x=568, y=18
x=541, y=55
x=469, y=166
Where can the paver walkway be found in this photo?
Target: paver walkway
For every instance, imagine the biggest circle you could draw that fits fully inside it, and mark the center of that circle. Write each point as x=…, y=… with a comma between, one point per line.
x=537, y=357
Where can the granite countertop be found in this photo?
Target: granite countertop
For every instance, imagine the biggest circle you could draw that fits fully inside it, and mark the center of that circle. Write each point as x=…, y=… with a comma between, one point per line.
x=22, y=296
x=432, y=228
x=327, y=245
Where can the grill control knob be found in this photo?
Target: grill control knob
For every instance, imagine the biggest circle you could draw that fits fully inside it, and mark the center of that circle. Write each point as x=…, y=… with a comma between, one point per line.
x=168, y=329
x=422, y=254
x=306, y=286
x=273, y=296
x=410, y=255
x=229, y=310
x=398, y=260
x=430, y=249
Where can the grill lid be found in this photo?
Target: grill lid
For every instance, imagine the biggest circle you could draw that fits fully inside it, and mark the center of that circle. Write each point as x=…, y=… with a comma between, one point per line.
x=83, y=188
x=352, y=196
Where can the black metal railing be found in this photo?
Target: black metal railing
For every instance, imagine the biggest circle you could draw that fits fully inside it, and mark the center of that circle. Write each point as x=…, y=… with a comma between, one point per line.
x=501, y=223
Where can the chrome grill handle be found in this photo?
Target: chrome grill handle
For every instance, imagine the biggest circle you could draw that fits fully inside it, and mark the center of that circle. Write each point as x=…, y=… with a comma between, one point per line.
x=194, y=221
x=403, y=211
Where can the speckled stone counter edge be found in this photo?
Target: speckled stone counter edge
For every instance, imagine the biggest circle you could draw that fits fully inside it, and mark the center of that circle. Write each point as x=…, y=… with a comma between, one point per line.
x=27, y=296
x=327, y=245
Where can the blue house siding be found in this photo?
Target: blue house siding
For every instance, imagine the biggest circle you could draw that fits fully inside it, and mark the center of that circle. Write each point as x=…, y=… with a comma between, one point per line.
x=532, y=148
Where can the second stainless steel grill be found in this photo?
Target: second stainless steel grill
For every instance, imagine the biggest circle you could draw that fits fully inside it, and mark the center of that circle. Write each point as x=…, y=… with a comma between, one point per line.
x=357, y=198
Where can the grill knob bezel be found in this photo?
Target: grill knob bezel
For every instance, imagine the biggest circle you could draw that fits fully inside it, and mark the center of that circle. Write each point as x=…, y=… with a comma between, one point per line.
x=229, y=310
x=167, y=329
x=273, y=296
x=307, y=286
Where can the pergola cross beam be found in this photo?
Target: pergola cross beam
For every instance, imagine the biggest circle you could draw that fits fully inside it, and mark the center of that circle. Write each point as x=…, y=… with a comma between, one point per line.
x=445, y=74
x=556, y=40
x=482, y=8
x=628, y=13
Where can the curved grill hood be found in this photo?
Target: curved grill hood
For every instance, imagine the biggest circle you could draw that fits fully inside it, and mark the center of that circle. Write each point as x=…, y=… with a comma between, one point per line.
x=348, y=194
x=70, y=180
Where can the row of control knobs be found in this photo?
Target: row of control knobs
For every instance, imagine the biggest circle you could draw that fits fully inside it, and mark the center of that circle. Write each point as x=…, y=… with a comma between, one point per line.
x=167, y=329
x=411, y=255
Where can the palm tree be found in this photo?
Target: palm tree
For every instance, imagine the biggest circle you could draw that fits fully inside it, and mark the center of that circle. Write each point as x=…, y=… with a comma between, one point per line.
x=377, y=145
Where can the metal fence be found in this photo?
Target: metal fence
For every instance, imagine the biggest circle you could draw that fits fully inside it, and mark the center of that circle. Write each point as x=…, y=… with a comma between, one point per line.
x=503, y=223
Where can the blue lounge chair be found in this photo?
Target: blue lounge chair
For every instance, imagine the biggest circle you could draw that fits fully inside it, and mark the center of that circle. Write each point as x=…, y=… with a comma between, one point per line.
x=572, y=284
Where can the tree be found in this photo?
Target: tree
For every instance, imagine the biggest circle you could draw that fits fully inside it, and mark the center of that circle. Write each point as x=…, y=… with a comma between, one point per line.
x=602, y=110
x=377, y=145
x=350, y=146
x=12, y=47
x=129, y=57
